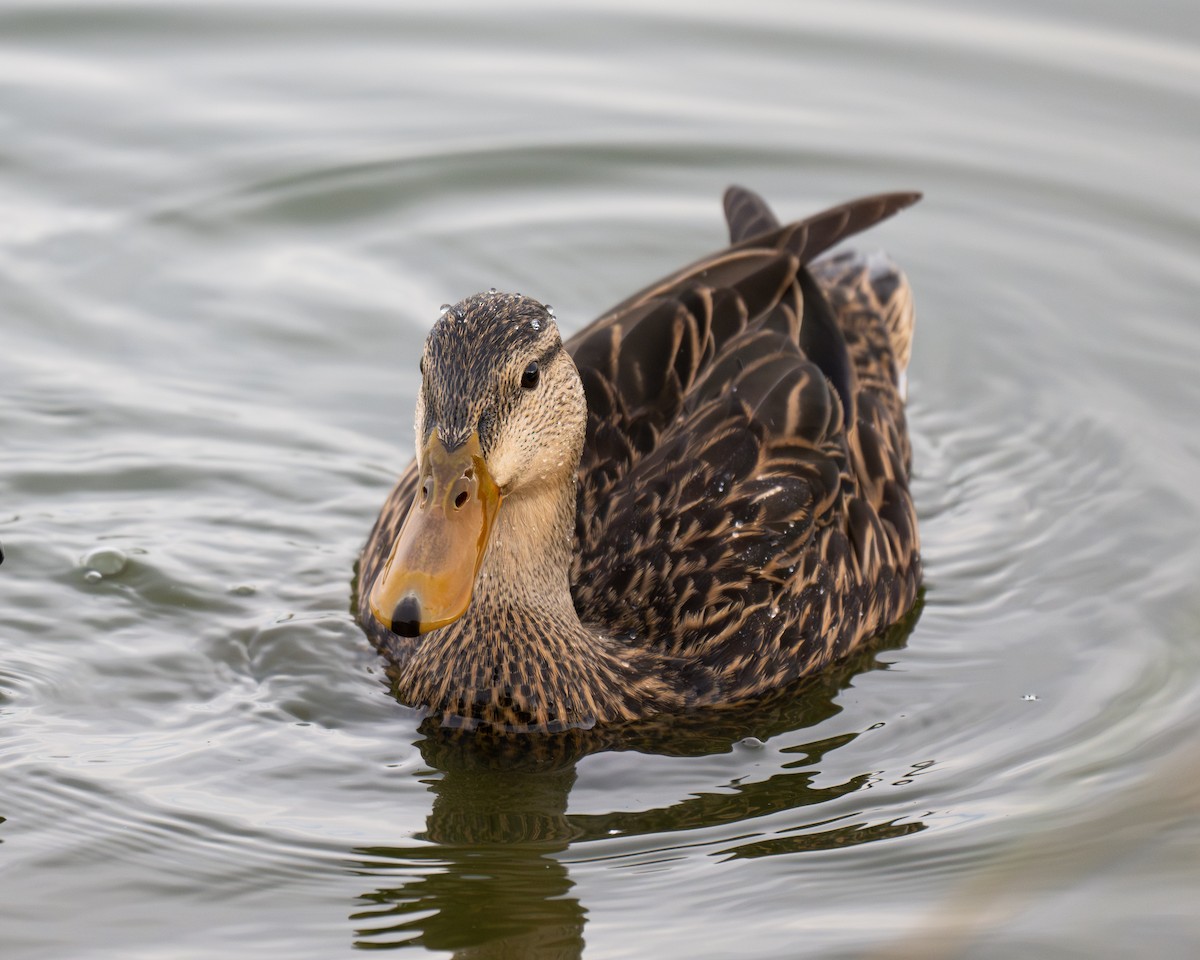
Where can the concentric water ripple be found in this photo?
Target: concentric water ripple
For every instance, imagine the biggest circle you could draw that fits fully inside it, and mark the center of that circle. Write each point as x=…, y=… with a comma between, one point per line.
x=227, y=228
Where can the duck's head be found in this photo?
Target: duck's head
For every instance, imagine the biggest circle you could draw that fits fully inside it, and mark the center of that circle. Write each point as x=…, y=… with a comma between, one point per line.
x=500, y=415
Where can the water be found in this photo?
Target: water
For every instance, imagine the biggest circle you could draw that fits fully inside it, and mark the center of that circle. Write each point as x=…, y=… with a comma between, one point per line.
x=227, y=227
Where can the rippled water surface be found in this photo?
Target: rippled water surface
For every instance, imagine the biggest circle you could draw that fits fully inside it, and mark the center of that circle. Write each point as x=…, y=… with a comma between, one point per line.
x=224, y=231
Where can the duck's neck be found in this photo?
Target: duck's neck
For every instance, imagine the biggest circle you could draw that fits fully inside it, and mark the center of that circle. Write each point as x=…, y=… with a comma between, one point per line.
x=519, y=658
x=527, y=566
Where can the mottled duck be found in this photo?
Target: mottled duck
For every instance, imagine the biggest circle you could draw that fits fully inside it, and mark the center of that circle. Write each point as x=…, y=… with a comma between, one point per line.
x=698, y=498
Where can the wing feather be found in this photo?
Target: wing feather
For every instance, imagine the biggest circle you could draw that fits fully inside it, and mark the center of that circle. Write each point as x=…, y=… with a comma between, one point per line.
x=738, y=422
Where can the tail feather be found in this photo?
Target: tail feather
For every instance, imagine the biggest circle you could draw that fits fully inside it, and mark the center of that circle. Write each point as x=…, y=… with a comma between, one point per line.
x=747, y=214
x=873, y=302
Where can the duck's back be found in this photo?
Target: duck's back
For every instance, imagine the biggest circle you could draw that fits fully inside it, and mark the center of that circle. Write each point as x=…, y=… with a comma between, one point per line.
x=743, y=495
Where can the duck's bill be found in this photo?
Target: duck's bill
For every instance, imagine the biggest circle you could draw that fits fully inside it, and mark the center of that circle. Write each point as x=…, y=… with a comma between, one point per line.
x=428, y=578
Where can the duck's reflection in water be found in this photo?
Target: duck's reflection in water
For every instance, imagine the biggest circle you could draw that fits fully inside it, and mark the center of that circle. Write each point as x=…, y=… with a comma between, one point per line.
x=484, y=883
x=483, y=878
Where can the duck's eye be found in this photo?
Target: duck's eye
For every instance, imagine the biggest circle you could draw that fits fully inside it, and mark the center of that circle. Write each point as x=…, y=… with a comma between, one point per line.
x=529, y=379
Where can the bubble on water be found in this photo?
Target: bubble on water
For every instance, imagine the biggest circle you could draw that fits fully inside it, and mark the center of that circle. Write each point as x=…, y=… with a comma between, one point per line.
x=105, y=561
x=93, y=576
x=1030, y=697
x=751, y=743
x=243, y=590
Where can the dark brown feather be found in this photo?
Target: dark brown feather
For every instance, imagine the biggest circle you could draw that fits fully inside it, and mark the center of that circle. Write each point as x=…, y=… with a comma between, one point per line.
x=747, y=214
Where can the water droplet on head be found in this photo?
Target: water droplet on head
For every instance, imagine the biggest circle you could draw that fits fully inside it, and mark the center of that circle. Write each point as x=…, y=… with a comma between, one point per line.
x=738, y=524
x=445, y=308
x=491, y=289
x=536, y=324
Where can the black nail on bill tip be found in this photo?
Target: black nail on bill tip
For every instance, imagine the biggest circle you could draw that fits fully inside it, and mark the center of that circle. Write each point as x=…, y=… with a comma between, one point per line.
x=406, y=618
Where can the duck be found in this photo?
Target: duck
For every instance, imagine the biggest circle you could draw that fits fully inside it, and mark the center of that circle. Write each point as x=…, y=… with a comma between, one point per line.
x=699, y=498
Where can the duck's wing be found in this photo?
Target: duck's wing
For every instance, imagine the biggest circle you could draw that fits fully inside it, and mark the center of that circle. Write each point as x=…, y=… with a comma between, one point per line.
x=804, y=240
x=717, y=445
x=635, y=343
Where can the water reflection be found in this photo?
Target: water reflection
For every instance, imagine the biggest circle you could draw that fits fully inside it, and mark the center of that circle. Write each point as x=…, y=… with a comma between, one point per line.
x=483, y=878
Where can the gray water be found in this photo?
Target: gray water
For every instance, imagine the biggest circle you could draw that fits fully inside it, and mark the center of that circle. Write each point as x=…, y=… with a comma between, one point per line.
x=224, y=231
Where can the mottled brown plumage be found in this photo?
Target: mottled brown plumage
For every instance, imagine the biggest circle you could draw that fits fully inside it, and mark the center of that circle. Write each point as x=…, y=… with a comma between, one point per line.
x=740, y=514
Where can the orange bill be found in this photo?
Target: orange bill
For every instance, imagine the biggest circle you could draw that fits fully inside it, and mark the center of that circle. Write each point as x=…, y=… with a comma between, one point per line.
x=428, y=578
